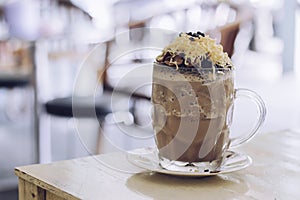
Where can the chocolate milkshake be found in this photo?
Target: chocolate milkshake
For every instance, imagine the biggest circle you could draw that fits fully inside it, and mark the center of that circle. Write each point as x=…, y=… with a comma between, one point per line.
x=192, y=95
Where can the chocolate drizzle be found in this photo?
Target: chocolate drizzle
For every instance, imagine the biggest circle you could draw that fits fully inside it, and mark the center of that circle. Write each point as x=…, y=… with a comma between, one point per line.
x=198, y=34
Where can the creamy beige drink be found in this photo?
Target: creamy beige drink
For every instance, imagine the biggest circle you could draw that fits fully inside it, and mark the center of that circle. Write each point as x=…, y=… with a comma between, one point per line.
x=192, y=95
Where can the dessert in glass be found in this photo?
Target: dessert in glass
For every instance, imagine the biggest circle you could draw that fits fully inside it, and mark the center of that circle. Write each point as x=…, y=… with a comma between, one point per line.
x=193, y=96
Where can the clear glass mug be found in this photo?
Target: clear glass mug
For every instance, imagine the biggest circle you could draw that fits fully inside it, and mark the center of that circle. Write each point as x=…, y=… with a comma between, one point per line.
x=192, y=114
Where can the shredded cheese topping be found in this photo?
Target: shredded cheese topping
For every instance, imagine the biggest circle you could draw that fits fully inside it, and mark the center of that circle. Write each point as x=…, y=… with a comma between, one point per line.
x=196, y=51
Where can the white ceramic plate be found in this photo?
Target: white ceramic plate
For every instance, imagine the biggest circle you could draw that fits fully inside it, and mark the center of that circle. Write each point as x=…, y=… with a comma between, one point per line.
x=147, y=158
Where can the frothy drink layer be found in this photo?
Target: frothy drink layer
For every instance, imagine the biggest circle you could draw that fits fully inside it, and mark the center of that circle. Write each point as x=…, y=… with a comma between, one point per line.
x=192, y=95
x=190, y=111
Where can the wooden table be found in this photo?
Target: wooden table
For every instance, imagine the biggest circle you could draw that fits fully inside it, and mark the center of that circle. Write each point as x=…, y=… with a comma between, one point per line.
x=274, y=174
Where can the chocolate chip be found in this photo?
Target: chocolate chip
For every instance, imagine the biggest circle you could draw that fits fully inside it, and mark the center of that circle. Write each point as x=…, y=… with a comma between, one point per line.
x=206, y=170
x=192, y=39
x=168, y=54
x=218, y=66
x=189, y=33
x=182, y=54
x=167, y=59
x=178, y=59
x=200, y=33
x=206, y=63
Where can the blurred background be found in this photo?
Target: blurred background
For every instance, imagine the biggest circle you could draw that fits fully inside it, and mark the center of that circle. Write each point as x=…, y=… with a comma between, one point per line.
x=44, y=45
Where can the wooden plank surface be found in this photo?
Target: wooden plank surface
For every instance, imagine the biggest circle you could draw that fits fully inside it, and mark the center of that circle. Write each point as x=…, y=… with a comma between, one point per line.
x=33, y=188
x=29, y=191
x=51, y=196
x=274, y=174
x=80, y=178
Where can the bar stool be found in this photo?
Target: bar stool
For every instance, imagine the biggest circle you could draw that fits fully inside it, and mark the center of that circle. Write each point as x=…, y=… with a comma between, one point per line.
x=12, y=81
x=88, y=107
x=82, y=106
x=98, y=108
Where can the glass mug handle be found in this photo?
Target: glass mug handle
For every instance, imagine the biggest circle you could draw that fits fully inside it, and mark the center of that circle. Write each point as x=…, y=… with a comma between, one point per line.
x=261, y=117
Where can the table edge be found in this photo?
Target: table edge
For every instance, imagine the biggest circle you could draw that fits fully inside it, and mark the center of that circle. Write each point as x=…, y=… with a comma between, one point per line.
x=40, y=183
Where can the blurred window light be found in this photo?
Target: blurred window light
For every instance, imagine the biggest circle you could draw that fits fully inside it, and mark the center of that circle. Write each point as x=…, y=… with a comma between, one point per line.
x=207, y=14
x=178, y=3
x=4, y=31
x=194, y=20
x=101, y=12
x=297, y=42
x=222, y=14
x=163, y=22
x=255, y=1
x=23, y=18
x=274, y=4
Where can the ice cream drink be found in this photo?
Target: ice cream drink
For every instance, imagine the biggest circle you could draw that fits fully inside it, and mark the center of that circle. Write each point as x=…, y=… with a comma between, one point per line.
x=192, y=96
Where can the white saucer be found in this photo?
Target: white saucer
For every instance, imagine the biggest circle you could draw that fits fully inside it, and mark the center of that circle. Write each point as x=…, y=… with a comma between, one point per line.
x=147, y=158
